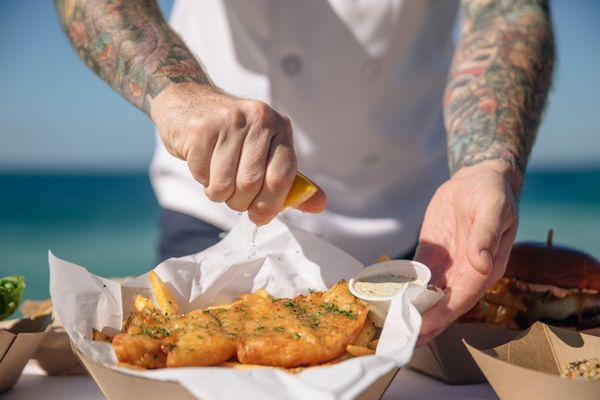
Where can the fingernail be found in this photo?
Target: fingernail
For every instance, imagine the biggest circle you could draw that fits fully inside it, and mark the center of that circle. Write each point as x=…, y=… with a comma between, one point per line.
x=487, y=258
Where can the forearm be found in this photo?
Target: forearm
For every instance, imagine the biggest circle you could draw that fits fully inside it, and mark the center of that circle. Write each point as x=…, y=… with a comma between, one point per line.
x=130, y=46
x=498, y=83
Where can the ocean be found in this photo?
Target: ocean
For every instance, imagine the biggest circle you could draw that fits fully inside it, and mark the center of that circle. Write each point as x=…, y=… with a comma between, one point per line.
x=109, y=222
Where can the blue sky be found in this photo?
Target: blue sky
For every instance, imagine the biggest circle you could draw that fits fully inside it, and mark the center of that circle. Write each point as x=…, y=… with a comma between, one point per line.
x=55, y=114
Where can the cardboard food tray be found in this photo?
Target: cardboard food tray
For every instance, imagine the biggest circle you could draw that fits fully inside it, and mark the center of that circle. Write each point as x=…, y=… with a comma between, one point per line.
x=529, y=366
x=54, y=354
x=116, y=385
x=445, y=358
x=19, y=339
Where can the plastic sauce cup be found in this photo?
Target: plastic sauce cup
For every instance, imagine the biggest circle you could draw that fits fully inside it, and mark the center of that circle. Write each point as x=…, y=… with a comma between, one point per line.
x=415, y=271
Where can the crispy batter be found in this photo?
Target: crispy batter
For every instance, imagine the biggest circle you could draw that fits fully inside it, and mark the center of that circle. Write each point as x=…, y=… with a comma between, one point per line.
x=257, y=329
x=139, y=350
x=305, y=330
x=193, y=339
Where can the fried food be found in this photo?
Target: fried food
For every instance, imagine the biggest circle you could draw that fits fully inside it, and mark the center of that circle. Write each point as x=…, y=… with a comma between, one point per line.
x=164, y=298
x=142, y=303
x=543, y=281
x=366, y=334
x=358, y=351
x=185, y=340
x=139, y=350
x=305, y=330
x=257, y=329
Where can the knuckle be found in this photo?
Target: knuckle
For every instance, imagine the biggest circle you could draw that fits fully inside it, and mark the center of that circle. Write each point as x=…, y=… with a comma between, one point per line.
x=199, y=175
x=262, y=211
x=286, y=125
x=282, y=178
x=261, y=114
x=197, y=169
x=278, y=182
x=219, y=191
x=250, y=182
x=236, y=206
x=235, y=118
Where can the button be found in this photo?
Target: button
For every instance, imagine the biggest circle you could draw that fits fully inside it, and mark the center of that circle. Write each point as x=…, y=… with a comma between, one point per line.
x=291, y=64
x=371, y=68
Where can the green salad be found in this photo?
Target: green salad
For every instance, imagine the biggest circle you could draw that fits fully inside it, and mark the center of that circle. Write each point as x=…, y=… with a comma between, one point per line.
x=11, y=289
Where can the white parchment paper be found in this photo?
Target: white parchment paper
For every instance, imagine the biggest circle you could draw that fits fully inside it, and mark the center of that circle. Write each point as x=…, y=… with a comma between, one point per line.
x=285, y=262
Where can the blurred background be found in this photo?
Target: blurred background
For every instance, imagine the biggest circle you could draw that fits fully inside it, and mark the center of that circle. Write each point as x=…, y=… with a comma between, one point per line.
x=74, y=155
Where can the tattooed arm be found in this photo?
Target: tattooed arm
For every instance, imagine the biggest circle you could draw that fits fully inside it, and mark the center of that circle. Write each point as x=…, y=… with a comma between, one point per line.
x=493, y=102
x=499, y=81
x=130, y=46
x=240, y=150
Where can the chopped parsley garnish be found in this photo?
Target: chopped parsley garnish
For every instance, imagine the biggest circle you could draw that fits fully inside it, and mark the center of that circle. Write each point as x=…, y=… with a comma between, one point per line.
x=156, y=331
x=289, y=304
x=334, y=308
x=297, y=336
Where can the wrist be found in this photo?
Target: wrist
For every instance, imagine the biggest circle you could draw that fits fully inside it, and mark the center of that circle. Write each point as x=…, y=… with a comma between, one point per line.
x=174, y=112
x=512, y=175
x=178, y=96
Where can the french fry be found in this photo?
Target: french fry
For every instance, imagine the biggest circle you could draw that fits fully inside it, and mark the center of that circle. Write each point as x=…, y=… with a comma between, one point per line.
x=164, y=298
x=383, y=258
x=98, y=336
x=142, y=303
x=373, y=344
x=263, y=293
x=366, y=334
x=358, y=351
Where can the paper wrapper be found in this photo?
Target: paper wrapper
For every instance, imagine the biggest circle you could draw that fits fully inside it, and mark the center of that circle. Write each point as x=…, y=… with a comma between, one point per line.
x=283, y=261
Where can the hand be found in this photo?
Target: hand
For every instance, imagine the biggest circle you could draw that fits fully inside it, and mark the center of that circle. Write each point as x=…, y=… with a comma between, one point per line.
x=466, y=238
x=240, y=150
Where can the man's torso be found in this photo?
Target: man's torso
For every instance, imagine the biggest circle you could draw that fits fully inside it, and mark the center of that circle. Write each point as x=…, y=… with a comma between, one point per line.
x=362, y=82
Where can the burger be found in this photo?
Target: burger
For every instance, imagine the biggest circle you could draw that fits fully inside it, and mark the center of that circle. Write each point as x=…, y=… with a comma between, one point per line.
x=555, y=284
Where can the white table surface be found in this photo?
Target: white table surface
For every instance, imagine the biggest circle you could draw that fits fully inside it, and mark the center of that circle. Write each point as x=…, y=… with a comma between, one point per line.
x=34, y=384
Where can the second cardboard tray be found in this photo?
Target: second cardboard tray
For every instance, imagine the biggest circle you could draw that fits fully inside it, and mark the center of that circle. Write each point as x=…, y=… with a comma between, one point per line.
x=530, y=366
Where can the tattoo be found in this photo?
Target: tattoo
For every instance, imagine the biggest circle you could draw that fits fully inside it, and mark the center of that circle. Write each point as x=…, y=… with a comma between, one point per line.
x=129, y=45
x=499, y=81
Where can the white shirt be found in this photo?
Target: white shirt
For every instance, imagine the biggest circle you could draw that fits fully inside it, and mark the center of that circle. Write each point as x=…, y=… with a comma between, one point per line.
x=362, y=82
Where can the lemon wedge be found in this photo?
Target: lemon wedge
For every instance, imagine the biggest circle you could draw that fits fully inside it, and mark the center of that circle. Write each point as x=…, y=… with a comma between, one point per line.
x=302, y=190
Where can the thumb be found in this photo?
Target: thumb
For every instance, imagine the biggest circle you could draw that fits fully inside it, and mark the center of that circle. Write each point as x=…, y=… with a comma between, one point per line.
x=316, y=203
x=484, y=238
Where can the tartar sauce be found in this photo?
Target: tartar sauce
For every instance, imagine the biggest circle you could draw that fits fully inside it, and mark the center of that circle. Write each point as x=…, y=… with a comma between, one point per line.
x=385, y=285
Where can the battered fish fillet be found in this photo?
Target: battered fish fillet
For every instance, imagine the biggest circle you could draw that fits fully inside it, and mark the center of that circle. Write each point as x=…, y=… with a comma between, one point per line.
x=156, y=341
x=305, y=330
x=258, y=329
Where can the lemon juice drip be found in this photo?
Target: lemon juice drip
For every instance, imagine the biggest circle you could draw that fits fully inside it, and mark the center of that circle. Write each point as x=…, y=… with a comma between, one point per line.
x=253, y=241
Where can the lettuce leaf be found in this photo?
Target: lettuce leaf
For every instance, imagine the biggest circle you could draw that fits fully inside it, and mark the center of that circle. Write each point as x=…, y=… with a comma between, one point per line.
x=11, y=289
